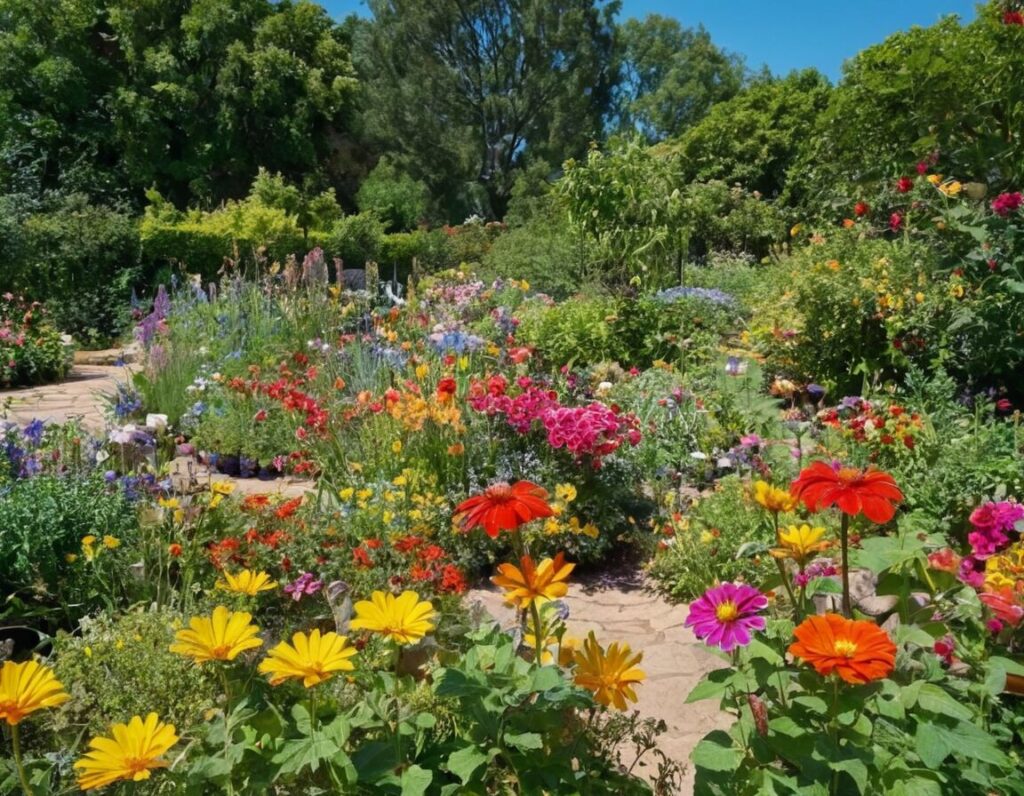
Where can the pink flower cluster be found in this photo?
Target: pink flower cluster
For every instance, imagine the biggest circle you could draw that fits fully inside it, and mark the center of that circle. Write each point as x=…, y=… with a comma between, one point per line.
x=595, y=430
x=995, y=529
x=1007, y=203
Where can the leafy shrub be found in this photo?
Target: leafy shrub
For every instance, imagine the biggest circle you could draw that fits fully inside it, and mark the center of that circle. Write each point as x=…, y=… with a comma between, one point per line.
x=356, y=239
x=202, y=241
x=705, y=544
x=631, y=331
x=121, y=666
x=398, y=200
x=836, y=307
x=31, y=350
x=541, y=252
x=45, y=567
x=82, y=260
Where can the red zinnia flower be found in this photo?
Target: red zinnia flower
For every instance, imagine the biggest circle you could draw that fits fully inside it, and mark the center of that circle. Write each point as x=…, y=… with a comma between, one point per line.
x=503, y=507
x=904, y=185
x=861, y=209
x=895, y=222
x=870, y=492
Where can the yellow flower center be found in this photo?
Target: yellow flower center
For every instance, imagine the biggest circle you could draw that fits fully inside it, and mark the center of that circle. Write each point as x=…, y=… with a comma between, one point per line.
x=846, y=648
x=727, y=611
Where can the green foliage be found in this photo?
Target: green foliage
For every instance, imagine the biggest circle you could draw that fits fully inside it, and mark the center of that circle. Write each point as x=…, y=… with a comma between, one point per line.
x=188, y=98
x=464, y=93
x=541, y=252
x=32, y=351
x=397, y=199
x=356, y=239
x=118, y=666
x=631, y=331
x=835, y=307
x=942, y=89
x=755, y=137
x=245, y=233
x=45, y=569
x=671, y=76
x=82, y=259
x=711, y=544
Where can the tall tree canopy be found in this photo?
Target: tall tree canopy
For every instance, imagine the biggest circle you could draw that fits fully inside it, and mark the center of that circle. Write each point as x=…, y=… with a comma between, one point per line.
x=191, y=96
x=465, y=91
x=671, y=76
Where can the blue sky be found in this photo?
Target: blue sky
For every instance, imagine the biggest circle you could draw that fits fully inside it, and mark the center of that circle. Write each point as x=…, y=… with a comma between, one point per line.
x=784, y=34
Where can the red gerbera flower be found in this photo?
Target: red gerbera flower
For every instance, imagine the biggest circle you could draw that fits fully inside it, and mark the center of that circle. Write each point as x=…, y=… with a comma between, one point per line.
x=870, y=492
x=503, y=507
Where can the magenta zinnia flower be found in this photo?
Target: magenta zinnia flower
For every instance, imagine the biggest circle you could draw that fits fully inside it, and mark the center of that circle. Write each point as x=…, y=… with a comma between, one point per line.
x=724, y=616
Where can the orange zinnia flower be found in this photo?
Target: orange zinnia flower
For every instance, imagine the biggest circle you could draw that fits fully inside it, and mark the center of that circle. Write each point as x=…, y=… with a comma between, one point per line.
x=531, y=582
x=856, y=650
x=870, y=492
x=503, y=507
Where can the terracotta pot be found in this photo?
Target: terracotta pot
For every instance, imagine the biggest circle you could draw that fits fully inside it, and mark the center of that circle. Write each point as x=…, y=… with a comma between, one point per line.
x=1014, y=684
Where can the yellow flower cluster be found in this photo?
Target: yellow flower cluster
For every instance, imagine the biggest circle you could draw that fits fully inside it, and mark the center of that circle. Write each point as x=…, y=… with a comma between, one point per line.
x=557, y=522
x=413, y=411
x=1005, y=569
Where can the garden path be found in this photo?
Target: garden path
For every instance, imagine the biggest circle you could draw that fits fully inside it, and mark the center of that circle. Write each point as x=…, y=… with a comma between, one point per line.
x=622, y=608
x=82, y=395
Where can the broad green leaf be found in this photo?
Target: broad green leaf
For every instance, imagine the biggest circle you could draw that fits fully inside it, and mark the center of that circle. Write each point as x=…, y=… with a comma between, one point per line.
x=715, y=752
x=464, y=762
x=416, y=780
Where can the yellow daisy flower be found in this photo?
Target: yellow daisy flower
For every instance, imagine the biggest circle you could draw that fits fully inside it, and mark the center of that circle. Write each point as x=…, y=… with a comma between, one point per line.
x=403, y=619
x=611, y=675
x=247, y=582
x=220, y=637
x=313, y=659
x=28, y=687
x=130, y=752
x=772, y=498
x=800, y=542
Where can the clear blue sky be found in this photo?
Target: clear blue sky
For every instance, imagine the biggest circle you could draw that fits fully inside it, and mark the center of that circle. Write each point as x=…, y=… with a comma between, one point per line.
x=784, y=34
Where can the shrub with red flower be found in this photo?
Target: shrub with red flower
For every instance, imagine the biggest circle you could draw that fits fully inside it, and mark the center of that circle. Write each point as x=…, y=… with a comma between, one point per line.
x=1006, y=204
x=904, y=185
x=876, y=425
x=593, y=431
x=1015, y=18
x=861, y=209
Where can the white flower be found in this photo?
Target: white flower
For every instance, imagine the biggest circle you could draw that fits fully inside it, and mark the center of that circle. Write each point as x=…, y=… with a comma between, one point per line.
x=158, y=422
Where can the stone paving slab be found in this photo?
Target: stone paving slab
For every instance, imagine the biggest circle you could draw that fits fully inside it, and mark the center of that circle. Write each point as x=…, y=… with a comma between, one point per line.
x=82, y=396
x=624, y=609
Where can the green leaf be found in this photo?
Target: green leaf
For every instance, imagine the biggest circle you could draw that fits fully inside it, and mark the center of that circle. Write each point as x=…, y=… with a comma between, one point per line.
x=525, y=740
x=933, y=699
x=715, y=752
x=416, y=780
x=297, y=754
x=712, y=685
x=464, y=762
x=856, y=769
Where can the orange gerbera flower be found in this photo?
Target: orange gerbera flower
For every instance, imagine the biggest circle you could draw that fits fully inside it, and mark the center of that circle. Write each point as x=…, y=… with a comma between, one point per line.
x=870, y=492
x=504, y=507
x=531, y=582
x=856, y=650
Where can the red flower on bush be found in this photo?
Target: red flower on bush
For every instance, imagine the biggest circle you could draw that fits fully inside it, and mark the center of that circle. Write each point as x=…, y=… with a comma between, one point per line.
x=503, y=507
x=870, y=492
x=1007, y=203
x=895, y=222
x=861, y=209
x=285, y=510
x=904, y=185
x=1013, y=18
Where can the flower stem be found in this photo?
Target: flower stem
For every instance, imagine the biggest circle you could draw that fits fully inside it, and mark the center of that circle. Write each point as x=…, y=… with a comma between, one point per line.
x=16, y=743
x=538, y=636
x=844, y=542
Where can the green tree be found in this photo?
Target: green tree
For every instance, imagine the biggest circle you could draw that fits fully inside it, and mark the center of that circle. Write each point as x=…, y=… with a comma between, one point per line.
x=190, y=96
x=952, y=90
x=671, y=76
x=755, y=137
x=398, y=200
x=467, y=91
